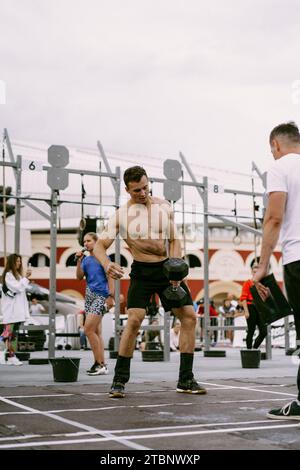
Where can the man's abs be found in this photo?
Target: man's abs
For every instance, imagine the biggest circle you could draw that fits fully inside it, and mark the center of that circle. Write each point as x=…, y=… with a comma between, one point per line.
x=148, y=251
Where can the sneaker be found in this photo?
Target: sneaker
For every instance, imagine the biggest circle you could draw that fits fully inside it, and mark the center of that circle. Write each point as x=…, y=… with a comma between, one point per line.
x=289, y=411
x=93, y=368
x=100, y=369
x=190, y=386
x=14, y=361
x=117, y=390
x=2, y=357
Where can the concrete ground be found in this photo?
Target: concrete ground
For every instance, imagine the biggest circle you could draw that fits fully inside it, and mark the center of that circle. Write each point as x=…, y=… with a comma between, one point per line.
x=38, y=413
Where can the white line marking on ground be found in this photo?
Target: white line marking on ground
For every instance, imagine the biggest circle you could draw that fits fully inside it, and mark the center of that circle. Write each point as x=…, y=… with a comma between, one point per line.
x=251, y=389
x=40, y=396
x=18, y=438
x=76, y=424
x=119, y=431
x=252, y=401
x=103, y=408
x=142, y=392
x=80, y=394
x=149, y=436
x=189, y=426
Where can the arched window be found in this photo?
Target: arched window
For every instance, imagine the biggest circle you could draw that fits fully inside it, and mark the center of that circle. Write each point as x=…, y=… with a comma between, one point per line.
x=193, y=261
x=124, y=262
x=71, y=261
x=39, y=260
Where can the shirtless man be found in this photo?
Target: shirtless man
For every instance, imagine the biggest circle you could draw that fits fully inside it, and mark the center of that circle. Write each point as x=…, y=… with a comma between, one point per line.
x=146, y=223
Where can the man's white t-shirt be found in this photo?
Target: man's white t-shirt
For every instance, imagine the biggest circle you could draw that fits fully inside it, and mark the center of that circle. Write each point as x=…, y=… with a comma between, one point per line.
x=284, y=176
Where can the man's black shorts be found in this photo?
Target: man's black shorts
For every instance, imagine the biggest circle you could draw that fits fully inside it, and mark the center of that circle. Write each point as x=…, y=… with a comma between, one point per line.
x=146, y=280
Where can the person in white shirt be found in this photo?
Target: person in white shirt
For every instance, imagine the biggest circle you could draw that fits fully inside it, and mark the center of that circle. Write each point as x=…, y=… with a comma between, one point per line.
x=35, y=307
x=283, y=217
x=228, y=311
x=14, y=304
x=175, y=336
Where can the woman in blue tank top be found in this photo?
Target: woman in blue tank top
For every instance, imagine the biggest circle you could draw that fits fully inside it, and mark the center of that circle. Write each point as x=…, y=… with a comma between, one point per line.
x=99, y=296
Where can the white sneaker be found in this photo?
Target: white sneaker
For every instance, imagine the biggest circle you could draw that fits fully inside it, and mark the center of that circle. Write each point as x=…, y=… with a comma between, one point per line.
x=2, y=357
x=99, y=370
x=14, y=361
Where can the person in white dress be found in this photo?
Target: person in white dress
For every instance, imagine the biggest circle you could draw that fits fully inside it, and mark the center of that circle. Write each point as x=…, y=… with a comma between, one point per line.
x=14, y=305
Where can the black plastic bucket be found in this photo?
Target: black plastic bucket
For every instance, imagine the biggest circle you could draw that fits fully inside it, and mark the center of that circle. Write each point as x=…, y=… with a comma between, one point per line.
x=65, y=369
x=153, y=356
x=250, y=358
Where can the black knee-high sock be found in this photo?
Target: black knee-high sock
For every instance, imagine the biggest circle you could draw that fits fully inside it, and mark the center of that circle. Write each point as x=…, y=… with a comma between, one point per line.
x=122, y=369
x=186, y=366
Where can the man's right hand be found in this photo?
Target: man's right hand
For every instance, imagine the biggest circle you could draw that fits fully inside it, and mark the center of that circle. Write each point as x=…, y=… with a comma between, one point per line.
x=114, y=270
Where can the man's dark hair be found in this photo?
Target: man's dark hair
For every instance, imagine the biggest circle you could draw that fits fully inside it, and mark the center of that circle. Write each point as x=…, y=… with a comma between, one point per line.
x=289, y=130
x=134, y=173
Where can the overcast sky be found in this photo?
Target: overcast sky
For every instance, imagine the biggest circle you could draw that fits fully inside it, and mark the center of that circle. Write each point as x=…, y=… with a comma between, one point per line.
x=152, y=77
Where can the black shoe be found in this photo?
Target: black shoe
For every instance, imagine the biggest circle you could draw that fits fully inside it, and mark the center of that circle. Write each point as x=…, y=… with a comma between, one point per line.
x=190, y=386
x=289, y=411
x=93, y=368
x=117, y=390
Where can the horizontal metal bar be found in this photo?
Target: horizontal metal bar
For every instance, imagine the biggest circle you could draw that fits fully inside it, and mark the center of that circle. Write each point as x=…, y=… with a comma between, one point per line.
x=236, y=224
x=26, y=198
x=201, y=185
x=183, y=183
x=34, y=327
x=243, y=193
x=86, y=203
x=12, y=165
x=71, y=335
x=227, y=328
x=70, y=170
x=86, y=172
x=220, y=215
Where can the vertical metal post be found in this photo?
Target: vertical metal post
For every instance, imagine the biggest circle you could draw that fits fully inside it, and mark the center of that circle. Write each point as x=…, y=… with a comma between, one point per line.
x=4, y=209
x=287, y=333
x=107, y=166
x=18, y=175
x=101, y=218
x=52, y=287
x=268, y=343
x=9, y=148
x=206, y=268
x=118, y=260
x=167, y=336
x=204, y=197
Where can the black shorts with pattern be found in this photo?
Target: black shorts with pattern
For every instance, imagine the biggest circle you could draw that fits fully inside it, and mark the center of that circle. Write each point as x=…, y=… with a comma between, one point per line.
x=148, y=279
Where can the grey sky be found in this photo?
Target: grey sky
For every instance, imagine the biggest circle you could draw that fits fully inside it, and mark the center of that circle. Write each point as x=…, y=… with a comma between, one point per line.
x=151, y=77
